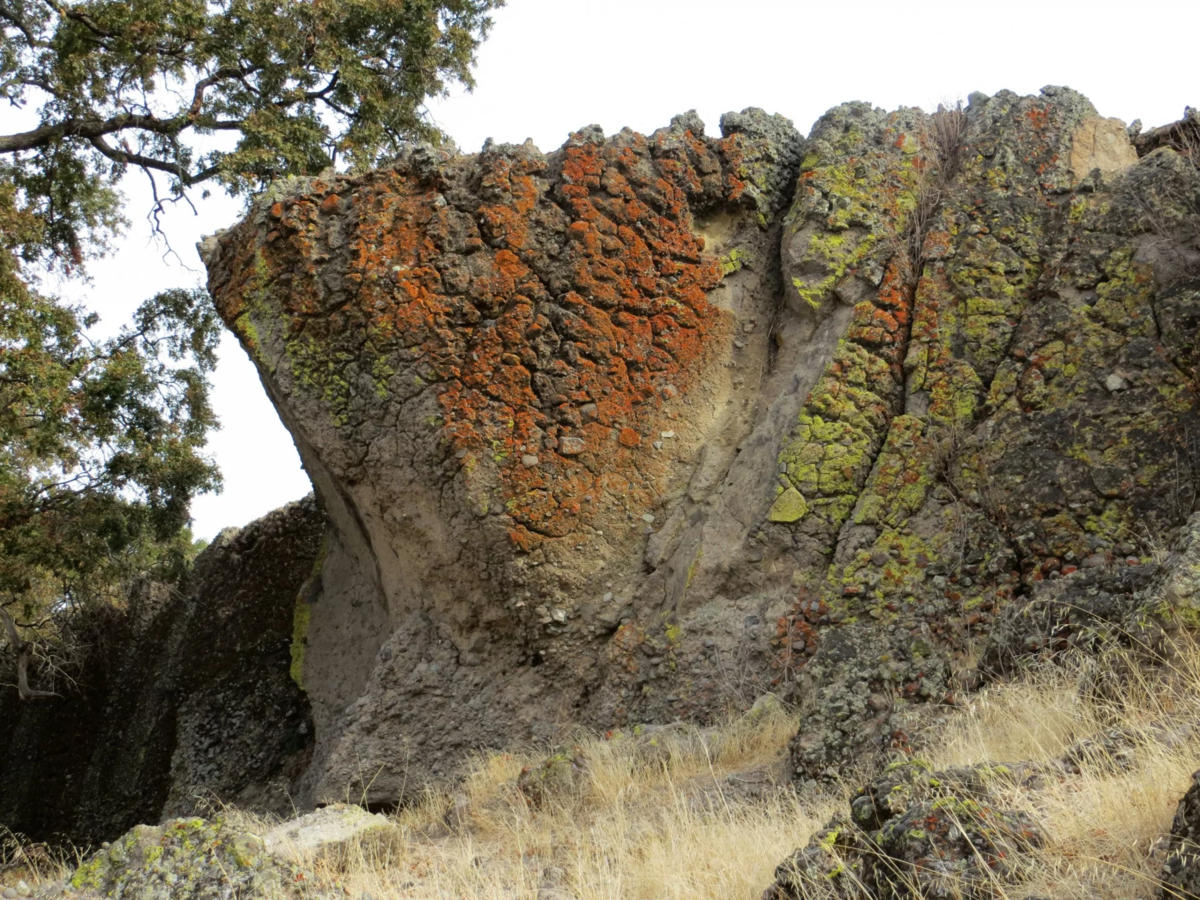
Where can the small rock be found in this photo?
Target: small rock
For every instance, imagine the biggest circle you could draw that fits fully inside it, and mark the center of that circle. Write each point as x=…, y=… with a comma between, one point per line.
x=209, y=857
x=1095, y=561
x=789, y=506
x=571, y=446
x=666, y=434
x=529, y=460
x=321, y=831
x=1115, y=382
x=647, y=518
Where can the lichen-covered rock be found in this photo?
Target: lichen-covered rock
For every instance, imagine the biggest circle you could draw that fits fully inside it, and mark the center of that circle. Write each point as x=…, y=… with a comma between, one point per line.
x=1135, y=607
x=998, y=456
x=647, y=425
x=186, y=859
x=1181, y=871
x=555, y=777
x=494, y=366
x=913, y=832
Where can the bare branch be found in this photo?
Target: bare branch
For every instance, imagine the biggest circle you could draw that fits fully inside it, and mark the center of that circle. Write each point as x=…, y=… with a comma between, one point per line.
x=149, y=162
x=24, y=651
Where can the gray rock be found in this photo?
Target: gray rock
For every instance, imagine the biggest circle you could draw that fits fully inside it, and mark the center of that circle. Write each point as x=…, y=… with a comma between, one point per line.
x=323, y=832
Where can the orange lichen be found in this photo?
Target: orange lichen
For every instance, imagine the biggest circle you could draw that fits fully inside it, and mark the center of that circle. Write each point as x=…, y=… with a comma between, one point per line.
x=567, y=355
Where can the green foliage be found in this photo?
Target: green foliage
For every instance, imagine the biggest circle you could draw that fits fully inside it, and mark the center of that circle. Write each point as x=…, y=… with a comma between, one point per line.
x=101, y=445
x=297, y=85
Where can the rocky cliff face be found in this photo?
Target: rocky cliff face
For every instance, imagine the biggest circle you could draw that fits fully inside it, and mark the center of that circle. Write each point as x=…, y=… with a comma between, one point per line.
x=183, y=698
x=637, y=429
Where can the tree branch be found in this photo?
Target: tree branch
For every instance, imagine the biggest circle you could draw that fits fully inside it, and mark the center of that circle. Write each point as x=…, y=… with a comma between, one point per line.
x=88, y=128
x=186, y=178
x=11, y=15
x=325, y=91
x=24, y=651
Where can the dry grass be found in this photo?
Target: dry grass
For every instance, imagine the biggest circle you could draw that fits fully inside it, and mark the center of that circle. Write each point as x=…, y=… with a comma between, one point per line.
x=669, y=816
x=1106, y=824
x=652, y=818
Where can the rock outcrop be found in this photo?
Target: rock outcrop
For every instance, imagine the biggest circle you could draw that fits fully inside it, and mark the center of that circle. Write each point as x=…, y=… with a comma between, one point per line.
x=182, y=698
x=915, y=833
x=633, y=430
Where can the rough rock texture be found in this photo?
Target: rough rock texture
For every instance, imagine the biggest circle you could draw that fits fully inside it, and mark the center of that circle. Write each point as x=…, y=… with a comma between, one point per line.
x=913, y=833
x=636, y=429
x=1181, y=871
x=515, y=379
x=323, y=832
x=185, y=859
x=183, y=697
x=1094, y=609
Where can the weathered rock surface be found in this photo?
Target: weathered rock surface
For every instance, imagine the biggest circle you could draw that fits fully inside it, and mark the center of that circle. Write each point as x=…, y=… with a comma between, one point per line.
x=914, y=833
x=323, y=832
x=647, y=425
x=508, y=374
x=184, y=697
x=1181, y=871
x=186, y=859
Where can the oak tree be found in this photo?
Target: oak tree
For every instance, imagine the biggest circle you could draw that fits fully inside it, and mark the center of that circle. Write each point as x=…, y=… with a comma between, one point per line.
x=102, y=442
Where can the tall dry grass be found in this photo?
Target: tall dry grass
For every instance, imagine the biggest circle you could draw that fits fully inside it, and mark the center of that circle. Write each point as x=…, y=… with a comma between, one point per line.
x=662, y=817
x=1137, y=740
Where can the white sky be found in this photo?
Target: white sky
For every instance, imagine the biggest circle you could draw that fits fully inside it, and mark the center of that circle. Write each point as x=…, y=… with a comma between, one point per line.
x=553, y=66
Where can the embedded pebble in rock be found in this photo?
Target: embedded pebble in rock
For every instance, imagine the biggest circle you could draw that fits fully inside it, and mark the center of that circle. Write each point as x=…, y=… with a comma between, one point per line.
x=1115, y=383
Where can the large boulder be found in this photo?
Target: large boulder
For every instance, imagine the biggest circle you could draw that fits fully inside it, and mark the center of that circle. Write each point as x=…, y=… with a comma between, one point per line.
x=519, y=381
x=644, y=427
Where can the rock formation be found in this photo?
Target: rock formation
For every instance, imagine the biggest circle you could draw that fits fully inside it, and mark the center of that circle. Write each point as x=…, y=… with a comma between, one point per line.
x=637, y=429
x=183, y=697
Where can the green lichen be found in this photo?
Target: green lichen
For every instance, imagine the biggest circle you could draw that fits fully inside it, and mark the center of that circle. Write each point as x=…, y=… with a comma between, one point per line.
x=301, y=617
x=323, y=372
x=734, y=260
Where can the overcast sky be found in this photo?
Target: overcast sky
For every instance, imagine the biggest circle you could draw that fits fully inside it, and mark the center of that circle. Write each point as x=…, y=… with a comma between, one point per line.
x=553, y=66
